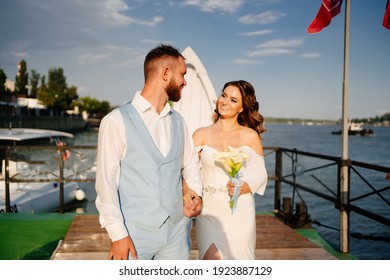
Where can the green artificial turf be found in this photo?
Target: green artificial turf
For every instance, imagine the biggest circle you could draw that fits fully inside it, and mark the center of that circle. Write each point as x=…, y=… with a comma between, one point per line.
x=316, y=238
x=31, y=236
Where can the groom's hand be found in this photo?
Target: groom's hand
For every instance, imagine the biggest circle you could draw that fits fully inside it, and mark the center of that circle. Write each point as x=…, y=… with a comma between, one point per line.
x=192, y=204
x=120, y=249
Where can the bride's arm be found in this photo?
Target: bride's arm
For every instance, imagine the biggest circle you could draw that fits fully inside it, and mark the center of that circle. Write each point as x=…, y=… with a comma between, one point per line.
x=255, y=174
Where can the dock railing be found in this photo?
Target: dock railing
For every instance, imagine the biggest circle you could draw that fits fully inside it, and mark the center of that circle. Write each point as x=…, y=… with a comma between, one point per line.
x=303, y=182
x=46, y=164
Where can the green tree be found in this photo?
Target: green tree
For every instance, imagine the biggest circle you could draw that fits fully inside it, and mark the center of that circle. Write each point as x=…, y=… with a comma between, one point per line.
x=71, y=95
x=56, y=87
x=3, y=79
x=104, y=109
x=95, y=108
x=43, y=94
x=34, y=80
x=376, y=119
x=21, y=79
x=55, y=94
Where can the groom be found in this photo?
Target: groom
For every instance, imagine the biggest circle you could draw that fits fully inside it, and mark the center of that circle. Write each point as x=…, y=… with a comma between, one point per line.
x=144, y=151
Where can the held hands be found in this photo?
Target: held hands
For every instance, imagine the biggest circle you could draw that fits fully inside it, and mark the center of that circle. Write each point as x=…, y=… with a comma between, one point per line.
x=120, y=249
x=192, y=202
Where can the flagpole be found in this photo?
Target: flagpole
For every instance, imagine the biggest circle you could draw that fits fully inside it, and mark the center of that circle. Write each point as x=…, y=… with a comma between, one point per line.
x=344, y=189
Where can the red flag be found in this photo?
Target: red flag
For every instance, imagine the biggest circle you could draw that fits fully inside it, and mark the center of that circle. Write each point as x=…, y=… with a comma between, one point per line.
x=328, y=10
x=386, y=19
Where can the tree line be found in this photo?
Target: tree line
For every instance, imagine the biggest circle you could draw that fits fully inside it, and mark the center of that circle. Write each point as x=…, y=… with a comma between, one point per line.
x=53, y=92
x=376, y=119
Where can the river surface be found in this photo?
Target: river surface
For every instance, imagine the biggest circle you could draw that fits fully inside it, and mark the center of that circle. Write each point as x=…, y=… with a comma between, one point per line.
x=316, y=139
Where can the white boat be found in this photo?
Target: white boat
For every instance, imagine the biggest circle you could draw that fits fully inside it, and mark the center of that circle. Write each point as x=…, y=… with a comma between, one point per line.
x=198, y=98
x=36, y=196
x=30, y=136
x=356, y=129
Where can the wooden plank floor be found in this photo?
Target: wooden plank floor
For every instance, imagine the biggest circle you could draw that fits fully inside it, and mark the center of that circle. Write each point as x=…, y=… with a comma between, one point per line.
x=85, y=240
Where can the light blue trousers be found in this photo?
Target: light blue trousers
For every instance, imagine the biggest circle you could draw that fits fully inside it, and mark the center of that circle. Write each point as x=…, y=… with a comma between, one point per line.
x=171, y=241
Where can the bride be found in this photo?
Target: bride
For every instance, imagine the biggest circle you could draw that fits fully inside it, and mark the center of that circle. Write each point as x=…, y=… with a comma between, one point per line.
x=221, y=233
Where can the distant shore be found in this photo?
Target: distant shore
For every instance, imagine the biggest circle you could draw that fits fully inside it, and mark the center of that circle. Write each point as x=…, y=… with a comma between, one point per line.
x=75, y=124
x=314, y=122
x=299, y=121
x=68, y=124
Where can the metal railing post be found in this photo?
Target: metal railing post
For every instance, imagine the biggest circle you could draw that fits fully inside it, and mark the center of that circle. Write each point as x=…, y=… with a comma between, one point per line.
x=278, y=176
x=61, y=162
x=7, y=191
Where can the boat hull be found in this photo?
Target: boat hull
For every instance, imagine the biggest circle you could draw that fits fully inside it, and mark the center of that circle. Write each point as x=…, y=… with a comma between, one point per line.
x=40, y=197
x=363, y=132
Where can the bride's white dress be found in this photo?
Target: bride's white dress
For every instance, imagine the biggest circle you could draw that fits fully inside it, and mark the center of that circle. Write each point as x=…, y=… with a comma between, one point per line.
x=234, y=235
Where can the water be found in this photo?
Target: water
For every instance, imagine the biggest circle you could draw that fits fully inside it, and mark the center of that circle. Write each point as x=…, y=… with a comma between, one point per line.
x=317, y=139
x=86, y=138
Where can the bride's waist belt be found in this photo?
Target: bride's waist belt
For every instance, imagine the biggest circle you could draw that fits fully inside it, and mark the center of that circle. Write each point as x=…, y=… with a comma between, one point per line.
x=214, y=189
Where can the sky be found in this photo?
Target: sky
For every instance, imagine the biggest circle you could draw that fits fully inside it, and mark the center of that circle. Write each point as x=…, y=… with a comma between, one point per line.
x=101, y=45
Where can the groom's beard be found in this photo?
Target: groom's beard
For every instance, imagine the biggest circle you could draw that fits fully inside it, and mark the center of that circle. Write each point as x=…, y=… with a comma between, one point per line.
x=173, y=91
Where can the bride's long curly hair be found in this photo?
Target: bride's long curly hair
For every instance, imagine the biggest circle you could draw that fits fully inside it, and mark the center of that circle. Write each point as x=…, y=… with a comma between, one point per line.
x=250, y=116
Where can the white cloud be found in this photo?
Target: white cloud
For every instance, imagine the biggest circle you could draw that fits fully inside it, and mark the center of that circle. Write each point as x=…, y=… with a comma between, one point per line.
x=90, y=14
x=269, y=52
x=130, y=63
x=257, y=33
x=281, y=43
x=245, y=61
x=310, y=55
x=58, y=24
x=95, y=58
x=263, y=18
x=155, y=42
x=119, y=48
x=112, y=11
x=275, y=47
x=156, y=20
x=229, y=6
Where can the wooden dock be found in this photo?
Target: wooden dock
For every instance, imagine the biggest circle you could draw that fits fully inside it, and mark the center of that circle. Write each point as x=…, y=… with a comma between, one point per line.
x=85, y=240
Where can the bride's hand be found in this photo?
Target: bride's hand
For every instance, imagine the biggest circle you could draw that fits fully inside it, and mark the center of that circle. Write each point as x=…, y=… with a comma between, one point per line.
x=230, y=187
x=244, y=188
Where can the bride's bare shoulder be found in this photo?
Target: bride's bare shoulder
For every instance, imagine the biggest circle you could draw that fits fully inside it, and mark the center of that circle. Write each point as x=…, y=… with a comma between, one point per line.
x=201, y=130
x=253, y=140
x=200, y=134
x=250, y=133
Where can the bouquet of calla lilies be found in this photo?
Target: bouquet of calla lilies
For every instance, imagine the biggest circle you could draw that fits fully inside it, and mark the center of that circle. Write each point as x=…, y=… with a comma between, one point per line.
x=232, y=160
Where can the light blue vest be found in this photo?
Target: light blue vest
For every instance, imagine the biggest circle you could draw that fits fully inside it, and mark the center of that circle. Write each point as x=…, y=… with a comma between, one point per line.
x=150, y=186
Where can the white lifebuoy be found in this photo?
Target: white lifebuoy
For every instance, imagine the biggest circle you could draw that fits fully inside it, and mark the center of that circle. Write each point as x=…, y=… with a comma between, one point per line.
x=79, y=194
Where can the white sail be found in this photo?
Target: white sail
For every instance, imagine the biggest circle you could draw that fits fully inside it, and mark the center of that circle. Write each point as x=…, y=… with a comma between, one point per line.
x=197, y=103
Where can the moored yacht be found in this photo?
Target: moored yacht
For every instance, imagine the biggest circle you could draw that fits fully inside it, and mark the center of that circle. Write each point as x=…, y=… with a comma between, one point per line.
x=34, y=185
